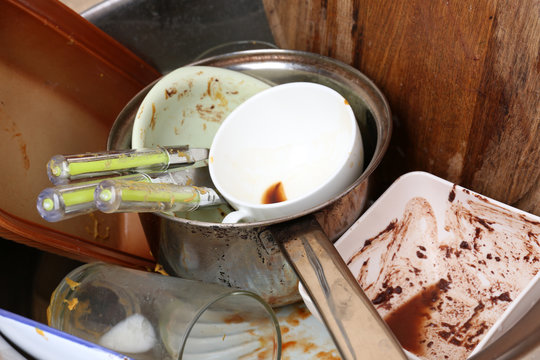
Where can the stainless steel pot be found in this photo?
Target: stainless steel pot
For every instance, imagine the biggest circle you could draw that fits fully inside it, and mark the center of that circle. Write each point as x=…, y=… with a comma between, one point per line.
x=258, y=256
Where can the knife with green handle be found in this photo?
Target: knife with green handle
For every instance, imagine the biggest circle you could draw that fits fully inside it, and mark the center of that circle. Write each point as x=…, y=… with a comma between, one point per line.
x=62, y=169
x=116, y=195
x=66, y=201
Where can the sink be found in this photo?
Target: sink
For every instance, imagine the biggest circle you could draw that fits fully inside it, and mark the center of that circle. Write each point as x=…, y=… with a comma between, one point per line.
x=170, y=33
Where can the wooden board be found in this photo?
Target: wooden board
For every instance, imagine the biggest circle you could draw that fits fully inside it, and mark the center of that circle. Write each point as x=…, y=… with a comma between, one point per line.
x=462, y=79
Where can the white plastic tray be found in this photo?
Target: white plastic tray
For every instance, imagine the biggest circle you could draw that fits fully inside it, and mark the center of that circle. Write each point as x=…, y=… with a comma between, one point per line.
x=423, y=229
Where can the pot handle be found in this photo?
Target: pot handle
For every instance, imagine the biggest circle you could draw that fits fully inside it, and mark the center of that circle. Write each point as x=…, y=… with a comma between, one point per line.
x=354, y=324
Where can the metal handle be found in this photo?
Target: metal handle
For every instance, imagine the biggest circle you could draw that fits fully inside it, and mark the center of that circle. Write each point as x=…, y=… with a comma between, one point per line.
x=354, y=324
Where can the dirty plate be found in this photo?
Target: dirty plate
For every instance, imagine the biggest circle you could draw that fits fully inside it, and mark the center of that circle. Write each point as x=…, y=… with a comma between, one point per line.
x=47, y=343
x=448, y=269
x=187, y=106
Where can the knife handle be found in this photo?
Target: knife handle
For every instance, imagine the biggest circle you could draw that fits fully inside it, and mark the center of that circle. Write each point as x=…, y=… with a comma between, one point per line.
x=131, y=196
x=64, y=168
x=66, y=201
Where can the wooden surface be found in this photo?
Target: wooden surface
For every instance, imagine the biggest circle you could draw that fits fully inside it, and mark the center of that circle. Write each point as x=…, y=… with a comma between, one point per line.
x=462, y=79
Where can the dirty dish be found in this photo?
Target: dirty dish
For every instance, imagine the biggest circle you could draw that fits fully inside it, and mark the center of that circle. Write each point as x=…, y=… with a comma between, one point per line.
x=443, y=264
x=243, y=255
x=251, y=254
x=46, y=343
x=187, y=106
x=286, y=150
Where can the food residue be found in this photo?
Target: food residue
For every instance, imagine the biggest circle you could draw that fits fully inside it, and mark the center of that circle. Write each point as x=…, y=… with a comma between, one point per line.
x=94, y=231
x=71, y=303
x=299, y=331
x=72, y=284
x=215, y=92
x=170, y=92
x=274, y=193
x=41, y=332
x=153, y=118
x=160, y=270
x=441, y=290
x=234, y=319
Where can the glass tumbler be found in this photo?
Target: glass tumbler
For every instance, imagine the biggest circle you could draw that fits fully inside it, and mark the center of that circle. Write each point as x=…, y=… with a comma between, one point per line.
x=151, y=316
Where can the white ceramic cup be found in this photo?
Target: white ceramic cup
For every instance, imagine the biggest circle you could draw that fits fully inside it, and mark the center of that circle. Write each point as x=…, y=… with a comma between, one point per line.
x=301, y=135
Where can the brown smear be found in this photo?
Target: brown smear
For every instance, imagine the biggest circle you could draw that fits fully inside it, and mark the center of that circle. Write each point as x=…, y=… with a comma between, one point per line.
x=153, y=119
x=298, y=314
x=327, y=355
x=408, y=321
x=274, y=194
x=484, y=253
x=170, y=92
x=298, y=340
x=17, y=135
x=234, y=319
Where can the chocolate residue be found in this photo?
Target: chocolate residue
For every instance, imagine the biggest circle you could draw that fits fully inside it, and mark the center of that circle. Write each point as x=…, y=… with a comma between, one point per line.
x=386, y=295
x=452, y=194
x=479, y=255
x=274, y=193
x=409, y=320
x=505, y=296
x=389, y=228
x=484, y=223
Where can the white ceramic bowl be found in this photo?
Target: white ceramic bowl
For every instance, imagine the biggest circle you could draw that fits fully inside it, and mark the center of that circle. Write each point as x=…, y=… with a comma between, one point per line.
x=472, y=259
x=301, y=138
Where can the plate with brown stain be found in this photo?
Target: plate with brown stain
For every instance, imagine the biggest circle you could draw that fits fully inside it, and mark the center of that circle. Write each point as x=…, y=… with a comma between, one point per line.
x=446, y=268
x=187, y=106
